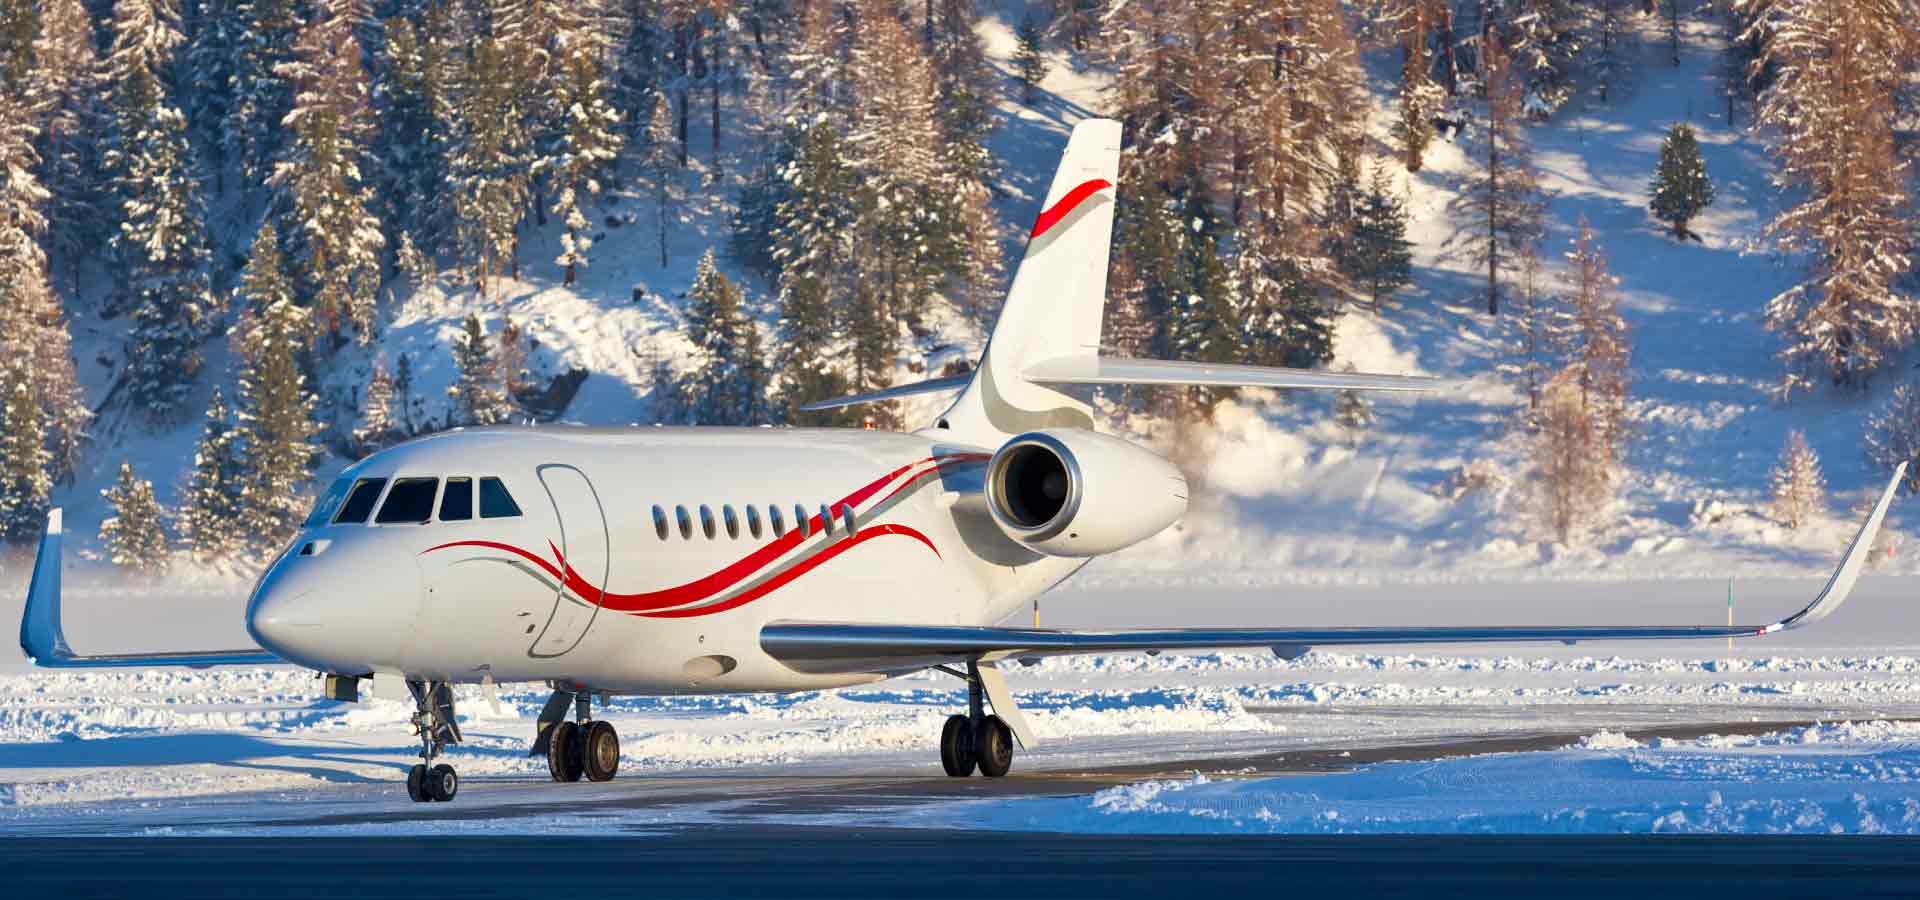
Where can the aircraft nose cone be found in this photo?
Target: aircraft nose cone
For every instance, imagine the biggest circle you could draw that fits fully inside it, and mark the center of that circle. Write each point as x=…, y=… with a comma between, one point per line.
x=343, y=611
x=284, y=624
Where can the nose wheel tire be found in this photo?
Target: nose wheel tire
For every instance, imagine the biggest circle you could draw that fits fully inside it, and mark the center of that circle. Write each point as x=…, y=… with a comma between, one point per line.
x=600, y=751
x=564, y=761
x=956, y=747
x=417, y=784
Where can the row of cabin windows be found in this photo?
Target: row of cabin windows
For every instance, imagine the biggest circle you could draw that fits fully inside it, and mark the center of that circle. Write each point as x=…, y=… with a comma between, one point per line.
x=411, y=501
x=830, y=520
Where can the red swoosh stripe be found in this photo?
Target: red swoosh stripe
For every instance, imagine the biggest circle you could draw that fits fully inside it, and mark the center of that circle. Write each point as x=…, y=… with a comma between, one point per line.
x=730, y=575
x=803, y=567
x=1059, y=210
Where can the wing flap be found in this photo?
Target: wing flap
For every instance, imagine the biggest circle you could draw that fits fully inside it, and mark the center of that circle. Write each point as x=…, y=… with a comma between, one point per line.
x=846, y=647
x=1098, y=370
x=930, y=386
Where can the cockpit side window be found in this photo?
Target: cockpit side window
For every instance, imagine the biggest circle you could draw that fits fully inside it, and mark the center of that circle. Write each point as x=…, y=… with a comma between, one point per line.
x=495, y=502
x=323, y=508
x=456, y=502
x=410, y=501
x=360, y=502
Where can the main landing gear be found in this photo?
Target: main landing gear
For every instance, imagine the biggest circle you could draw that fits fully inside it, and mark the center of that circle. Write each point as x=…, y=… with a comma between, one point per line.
x=433, y=721
x=975, y=739
x=588, y=746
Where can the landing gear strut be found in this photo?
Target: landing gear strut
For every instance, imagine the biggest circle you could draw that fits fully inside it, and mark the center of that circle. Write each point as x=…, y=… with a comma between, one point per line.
x=433, y=720
x=975, y=739
x=587, y=746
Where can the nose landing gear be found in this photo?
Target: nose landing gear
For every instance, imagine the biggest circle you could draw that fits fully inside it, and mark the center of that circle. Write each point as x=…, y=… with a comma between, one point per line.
x=588, y=746
x=975, y=739
x=433, y=721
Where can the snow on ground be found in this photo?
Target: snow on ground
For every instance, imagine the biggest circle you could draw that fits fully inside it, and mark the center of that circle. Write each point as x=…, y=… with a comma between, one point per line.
x=1843, y=778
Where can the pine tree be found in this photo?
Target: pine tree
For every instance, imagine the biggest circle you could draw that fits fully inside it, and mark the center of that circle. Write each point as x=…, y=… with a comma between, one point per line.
x=276, y=425
x=480, y=394
x=1029, y=61
x=490, y=160
x=1799, y=490
x=135, y=534
x=580, y=155
x=1381, y=257
x=1893, y=434
x=24, y=483
x=260, y=91
x=1681, y=188
x=67, y=97
x=377, y=425
x=209, y=520
x=1612, y=33
x=161, y=244
x=19, y=22
x=812, y=241
x=335, y=238
x=893, y=142
x=716, y=325
x=1545, y=43
x=1501, y=208
x=876, y=341
x=1837, y=68
x=661, y=168
x=33, y=325
x=415, y=136
x=1418, y=99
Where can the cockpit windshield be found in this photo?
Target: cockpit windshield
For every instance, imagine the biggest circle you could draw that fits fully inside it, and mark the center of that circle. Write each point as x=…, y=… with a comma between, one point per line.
x=328, y=502
x=359, y=504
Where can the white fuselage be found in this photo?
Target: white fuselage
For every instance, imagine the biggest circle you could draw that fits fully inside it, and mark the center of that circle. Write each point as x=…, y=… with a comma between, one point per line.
x=643, y=560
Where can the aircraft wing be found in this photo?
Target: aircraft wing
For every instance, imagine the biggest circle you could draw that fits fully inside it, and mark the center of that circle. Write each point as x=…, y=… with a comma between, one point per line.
x=847, y=647
x=45, y=642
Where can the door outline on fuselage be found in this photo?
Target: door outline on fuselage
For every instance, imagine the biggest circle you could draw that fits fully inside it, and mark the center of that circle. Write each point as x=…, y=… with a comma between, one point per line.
x=561, y=613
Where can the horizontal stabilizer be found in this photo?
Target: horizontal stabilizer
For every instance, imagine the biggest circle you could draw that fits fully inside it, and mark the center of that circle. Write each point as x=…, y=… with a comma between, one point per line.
x=847, y=647
x=930, y=386
x=45, y=642
x=1063, y=371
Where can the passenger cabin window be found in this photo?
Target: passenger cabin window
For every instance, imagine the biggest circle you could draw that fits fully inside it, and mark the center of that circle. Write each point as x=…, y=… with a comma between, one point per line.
x=495, y=502
x=410, y=502
x=732, y=521
x=660, y=521
x=774, y=519
x=324, y=507
x=360, y=502
x=846, y=517
x=800, y=519
x=753, y=521
x=706, y=521
x=686, y=523
x=456, y=502
x=826, y=519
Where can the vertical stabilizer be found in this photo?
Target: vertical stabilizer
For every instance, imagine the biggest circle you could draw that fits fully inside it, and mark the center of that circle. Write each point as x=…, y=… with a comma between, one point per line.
x=1058, y=295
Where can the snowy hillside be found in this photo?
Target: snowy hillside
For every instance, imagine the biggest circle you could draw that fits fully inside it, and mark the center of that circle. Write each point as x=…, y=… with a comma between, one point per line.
x=1287, y=496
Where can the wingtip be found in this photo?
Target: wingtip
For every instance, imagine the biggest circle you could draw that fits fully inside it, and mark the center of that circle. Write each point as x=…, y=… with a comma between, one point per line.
x=56, y=521
x=1841, y=584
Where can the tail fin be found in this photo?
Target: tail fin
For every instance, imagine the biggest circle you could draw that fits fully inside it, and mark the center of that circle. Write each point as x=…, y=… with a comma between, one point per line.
x=1058, y=295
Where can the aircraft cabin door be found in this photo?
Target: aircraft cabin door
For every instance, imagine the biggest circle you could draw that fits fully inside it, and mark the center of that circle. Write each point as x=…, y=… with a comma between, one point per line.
x=587, y=549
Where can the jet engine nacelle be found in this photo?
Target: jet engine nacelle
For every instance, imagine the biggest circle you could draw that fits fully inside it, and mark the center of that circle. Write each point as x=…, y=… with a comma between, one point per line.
x=1071, y=492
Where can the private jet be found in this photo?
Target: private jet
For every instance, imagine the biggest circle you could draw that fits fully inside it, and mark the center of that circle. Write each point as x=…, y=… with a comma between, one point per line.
x=661, y=561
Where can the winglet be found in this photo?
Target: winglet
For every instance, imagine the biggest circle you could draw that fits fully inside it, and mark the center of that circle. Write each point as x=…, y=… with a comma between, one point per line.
x=45, y=642
x=40, y=635
x=1841, y=584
